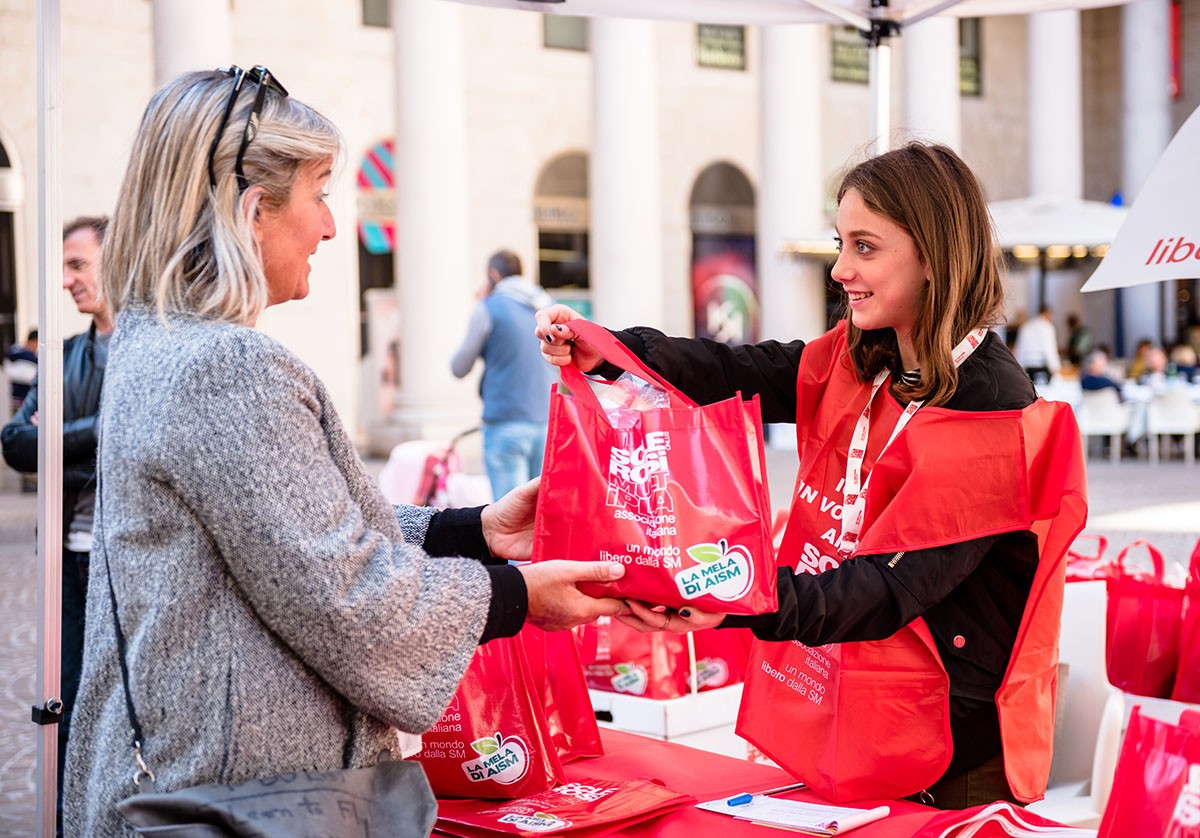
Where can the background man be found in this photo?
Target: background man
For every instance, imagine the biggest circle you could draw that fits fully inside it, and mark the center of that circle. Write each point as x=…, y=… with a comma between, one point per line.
x=516, y=381
x=1037, y=347
x=84, y=357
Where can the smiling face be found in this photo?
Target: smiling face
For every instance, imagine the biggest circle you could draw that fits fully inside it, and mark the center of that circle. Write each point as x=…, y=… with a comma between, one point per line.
x=881, y=271
x=81, y=270
x=289, y=235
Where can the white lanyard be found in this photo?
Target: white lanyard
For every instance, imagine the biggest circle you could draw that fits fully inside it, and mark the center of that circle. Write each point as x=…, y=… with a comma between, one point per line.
x=854, y=491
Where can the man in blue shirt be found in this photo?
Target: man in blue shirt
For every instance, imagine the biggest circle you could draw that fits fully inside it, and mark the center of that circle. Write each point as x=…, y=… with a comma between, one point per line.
x=516, y=381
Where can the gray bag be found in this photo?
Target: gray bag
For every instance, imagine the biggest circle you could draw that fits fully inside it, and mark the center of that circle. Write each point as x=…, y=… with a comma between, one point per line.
x=392, y=799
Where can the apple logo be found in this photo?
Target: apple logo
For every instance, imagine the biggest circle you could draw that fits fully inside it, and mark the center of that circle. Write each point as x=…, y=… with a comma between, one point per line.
x=538, y=822
x=722, y=570
x=502, y=759
x=630, y=678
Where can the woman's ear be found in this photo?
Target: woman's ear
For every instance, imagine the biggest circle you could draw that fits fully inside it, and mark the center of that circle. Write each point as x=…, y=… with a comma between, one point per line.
x=252, y=206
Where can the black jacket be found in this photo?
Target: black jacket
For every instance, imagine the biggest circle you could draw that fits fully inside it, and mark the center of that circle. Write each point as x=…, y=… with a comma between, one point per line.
x=971, y=594
x=82, y=383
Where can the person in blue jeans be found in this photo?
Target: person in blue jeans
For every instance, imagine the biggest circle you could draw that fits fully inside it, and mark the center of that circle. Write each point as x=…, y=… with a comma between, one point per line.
x=515, y=386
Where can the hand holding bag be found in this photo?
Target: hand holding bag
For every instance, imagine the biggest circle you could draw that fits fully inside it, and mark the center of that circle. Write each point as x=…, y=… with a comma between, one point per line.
x=677, y=494
x=1143, y=625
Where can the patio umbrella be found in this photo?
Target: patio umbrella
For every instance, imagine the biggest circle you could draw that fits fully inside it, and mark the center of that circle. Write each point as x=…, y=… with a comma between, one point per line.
x=1048, y=229
x=1160, y=240
x=876, y=20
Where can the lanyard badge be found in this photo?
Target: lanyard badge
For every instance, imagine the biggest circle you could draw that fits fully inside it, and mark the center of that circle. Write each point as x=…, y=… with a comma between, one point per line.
x=854, y=490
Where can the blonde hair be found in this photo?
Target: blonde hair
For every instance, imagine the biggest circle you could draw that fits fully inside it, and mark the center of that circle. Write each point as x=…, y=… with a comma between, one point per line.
x=930, y=192
x=176, y=243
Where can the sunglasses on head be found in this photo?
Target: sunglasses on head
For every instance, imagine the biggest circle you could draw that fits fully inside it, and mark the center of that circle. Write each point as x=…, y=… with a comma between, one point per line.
x=260, y=76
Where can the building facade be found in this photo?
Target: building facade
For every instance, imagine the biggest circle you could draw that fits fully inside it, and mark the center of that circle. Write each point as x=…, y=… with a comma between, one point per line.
x=645, y=172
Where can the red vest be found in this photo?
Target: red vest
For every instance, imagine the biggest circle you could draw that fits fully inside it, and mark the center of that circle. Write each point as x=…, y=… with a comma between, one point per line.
x=950, y=476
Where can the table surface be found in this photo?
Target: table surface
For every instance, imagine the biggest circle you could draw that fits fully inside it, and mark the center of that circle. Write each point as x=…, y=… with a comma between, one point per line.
x=708, y=776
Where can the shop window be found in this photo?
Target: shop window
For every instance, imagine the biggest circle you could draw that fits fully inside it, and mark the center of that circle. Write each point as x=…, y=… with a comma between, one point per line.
x=376, y=13
x=565, y=32
x=721, y=47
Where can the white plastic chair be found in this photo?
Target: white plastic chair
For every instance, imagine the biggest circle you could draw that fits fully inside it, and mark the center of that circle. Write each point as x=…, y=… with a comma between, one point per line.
x=1101, y=413
x=1173, y=412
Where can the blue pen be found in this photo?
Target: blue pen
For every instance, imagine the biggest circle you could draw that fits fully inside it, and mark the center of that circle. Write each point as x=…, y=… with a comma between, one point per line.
x=746, y=797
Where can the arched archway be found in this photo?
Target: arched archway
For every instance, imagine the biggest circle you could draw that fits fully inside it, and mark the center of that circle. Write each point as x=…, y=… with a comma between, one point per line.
x=560, y=210
x=724, y=268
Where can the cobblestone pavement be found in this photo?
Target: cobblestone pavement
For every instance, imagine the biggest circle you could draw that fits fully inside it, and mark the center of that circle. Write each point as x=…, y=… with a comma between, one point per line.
x=1127, y=500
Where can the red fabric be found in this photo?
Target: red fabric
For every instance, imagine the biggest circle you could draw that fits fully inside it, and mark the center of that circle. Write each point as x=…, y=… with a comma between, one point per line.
x=969, y=475
x=1143, y=624
x=557, y=669
x=1187, y=678
x=1156, y=789
x=677, y=494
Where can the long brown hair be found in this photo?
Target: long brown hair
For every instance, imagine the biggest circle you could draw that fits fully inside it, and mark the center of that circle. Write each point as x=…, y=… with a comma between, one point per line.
x=930, y=192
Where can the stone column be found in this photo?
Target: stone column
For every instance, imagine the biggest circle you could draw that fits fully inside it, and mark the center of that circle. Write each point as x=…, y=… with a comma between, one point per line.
x=190, y=35
x=791, y=193
x=433, y=274
x=626, y=261
x=931, y=96
x=1146, y=131
x=1055, y=137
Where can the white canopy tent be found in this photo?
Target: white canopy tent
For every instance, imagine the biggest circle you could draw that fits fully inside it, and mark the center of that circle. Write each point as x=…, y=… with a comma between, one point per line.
x=876, y=20
x=1160, y=240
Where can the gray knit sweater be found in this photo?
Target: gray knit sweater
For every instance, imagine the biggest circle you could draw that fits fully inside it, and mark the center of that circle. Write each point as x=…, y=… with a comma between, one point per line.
x=278, y=613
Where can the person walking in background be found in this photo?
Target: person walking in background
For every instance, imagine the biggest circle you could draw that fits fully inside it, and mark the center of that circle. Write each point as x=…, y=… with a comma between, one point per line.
x=515, y=387
x=281, y=615
x=20, y=368
x=1037, y=347
x=84, y=359
x=1079, y=339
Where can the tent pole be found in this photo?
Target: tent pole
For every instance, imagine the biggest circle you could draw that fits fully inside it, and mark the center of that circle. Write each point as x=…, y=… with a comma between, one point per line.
x=50, y=409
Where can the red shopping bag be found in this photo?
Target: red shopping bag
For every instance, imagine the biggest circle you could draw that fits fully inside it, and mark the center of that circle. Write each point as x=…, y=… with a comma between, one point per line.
x=721, y=657
x=494, y=740
x=659, y=665
x=554, y=659
x=1143, y=625
x=618, y=659
x=1156, y=789
x=1187, y=677
x=677, y=494
x=1086, y=560
x=581, y=809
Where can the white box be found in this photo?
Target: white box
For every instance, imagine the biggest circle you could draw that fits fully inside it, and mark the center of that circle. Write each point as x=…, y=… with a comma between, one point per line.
x=673, y=717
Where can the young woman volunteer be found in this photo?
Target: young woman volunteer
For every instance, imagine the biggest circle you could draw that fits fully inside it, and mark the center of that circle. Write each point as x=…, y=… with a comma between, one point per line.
x=921, y=427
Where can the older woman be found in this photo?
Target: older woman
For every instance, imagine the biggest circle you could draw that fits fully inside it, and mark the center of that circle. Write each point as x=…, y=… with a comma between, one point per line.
x=278, y=613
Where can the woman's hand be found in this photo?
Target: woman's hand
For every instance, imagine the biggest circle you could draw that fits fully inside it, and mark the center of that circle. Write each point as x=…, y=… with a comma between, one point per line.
x=560, y=344
x=645, y=617
x=508, y=523
x=554, y=601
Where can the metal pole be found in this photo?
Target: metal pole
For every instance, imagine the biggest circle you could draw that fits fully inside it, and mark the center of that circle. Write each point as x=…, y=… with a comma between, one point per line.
x=881, y=94
x=50, y=404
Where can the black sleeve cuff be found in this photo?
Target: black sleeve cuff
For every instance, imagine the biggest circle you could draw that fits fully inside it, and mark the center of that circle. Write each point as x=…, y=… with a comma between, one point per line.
x=510, y=602
x=457, y=532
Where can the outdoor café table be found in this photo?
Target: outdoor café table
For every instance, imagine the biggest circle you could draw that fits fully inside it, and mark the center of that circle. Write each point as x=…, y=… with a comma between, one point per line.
x=709, y=776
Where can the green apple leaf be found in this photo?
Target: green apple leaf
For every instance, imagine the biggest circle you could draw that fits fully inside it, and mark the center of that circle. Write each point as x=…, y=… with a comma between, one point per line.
x=486, y=745
x=622, y=668
x=707, y=553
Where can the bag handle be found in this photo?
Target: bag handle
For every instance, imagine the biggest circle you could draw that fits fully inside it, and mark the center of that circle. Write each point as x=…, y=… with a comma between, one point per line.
x=1152, y=551
x=1101, y=547
x=616, y=353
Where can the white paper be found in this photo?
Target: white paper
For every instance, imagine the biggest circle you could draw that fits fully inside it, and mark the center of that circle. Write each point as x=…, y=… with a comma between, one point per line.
x=816, y=818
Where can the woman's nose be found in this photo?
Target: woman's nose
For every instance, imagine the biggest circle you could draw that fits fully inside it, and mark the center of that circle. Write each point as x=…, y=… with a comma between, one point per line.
x=841, y=270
